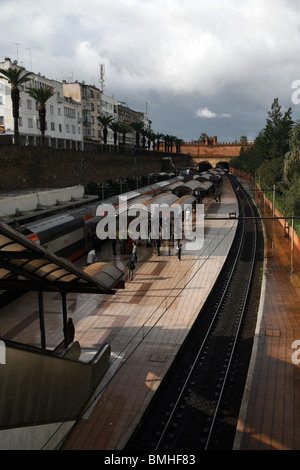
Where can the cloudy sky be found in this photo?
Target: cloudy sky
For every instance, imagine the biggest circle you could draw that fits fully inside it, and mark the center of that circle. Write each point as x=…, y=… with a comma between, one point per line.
x=196, y=66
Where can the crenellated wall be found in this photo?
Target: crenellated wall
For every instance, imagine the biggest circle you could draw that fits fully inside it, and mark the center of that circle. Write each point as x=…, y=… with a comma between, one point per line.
x=212, y=151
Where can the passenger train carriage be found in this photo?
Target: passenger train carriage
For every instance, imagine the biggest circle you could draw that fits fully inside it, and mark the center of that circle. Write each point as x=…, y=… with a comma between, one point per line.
x=71, y=234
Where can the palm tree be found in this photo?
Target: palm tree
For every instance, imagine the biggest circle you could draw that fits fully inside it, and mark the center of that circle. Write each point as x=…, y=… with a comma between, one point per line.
x=105, y=121
x=158, y=137
x=151, y=136
x=167, y=142
x=178, y=143
x=41, y=95
x=115, y=127
x=172, y=139
x=137, y=127
x=15, y=77
x=203, y=138
x=145, y=134
x=124, y=129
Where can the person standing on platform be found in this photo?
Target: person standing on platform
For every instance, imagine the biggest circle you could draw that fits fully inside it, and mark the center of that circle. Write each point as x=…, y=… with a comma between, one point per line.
x=91, y=257
x=219, y=196
x=69, y=332
x=134, y=252
x=158, y=247
x=131, y=266
x=179, y=248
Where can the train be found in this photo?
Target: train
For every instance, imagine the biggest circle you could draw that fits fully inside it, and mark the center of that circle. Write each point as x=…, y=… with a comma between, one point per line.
x=72, y=234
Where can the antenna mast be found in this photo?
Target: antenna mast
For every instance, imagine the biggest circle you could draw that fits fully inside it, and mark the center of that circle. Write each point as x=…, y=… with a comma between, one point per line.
x=17, y=44
x=102, y=73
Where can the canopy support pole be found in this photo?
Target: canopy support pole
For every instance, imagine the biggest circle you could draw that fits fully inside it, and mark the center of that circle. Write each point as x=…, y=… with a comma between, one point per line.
x=42, y=320
x=64, y=306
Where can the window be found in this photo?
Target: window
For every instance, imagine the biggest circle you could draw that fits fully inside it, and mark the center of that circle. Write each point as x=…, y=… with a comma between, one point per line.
x=67, y=128
x=30, y=123
x=60, y=127
x=51, y=109
x=69, y=112
x=52, y=126
x=29, y=104
x=1, y=120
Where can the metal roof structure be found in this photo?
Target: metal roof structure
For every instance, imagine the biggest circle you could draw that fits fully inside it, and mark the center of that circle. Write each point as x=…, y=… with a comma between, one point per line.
x=165, y=198
x=173, y=186
x=123, y=207
x=27, y=266
x=203, y=176
x=205, y=185
x=187, y=199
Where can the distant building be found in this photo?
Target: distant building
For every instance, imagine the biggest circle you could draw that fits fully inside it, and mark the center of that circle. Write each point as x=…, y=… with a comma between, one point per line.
x=93, y=104
x=127, y=116
x=62, y=114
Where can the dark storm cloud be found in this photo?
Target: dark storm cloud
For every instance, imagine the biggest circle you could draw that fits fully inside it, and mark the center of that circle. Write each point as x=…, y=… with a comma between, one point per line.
x=196, y=66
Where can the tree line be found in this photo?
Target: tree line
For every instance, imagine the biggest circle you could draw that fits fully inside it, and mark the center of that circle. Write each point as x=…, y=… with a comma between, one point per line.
x=143, y=136
x=274, y=159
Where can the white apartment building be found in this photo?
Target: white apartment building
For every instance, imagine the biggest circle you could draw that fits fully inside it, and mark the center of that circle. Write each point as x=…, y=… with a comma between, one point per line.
x=63, y=115
x=71, y=113
x=94, y=103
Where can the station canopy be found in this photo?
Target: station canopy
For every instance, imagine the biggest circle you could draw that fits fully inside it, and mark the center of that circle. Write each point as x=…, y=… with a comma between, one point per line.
x=165, y=199
x=203, y=176
x=25, y=265
x=187, y=199
x=124, y=206
x=173, y=186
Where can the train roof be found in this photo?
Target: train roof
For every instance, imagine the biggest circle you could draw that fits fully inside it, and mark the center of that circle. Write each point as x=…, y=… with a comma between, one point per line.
x=49, y=222
x=89, y=210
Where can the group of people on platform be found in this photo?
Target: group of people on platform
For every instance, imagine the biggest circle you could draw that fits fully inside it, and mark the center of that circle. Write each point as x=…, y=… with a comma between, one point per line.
x=132, y=260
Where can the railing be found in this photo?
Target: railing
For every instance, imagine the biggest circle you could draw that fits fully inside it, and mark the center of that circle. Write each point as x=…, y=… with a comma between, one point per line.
x=38, y=387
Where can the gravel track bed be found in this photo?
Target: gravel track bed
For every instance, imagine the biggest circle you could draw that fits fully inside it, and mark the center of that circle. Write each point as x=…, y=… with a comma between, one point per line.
x=195, y=411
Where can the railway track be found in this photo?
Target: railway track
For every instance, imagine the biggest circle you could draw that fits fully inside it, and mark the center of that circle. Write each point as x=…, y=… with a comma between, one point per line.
x=196, y=408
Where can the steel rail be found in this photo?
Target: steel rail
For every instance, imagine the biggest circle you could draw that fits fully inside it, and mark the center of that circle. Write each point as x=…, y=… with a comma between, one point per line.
x=244, y=305
x=208, y=332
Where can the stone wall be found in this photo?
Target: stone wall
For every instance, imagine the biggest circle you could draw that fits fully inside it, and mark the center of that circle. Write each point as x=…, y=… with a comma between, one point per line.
x=198, y=150
x=37, y=167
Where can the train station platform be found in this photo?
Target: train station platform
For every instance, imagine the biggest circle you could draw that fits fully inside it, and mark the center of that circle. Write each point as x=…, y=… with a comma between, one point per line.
x=270, y=412
x=145, y=325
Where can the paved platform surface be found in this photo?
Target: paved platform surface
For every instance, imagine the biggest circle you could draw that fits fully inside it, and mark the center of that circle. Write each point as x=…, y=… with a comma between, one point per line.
x=145, y=324
x=270, y=414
